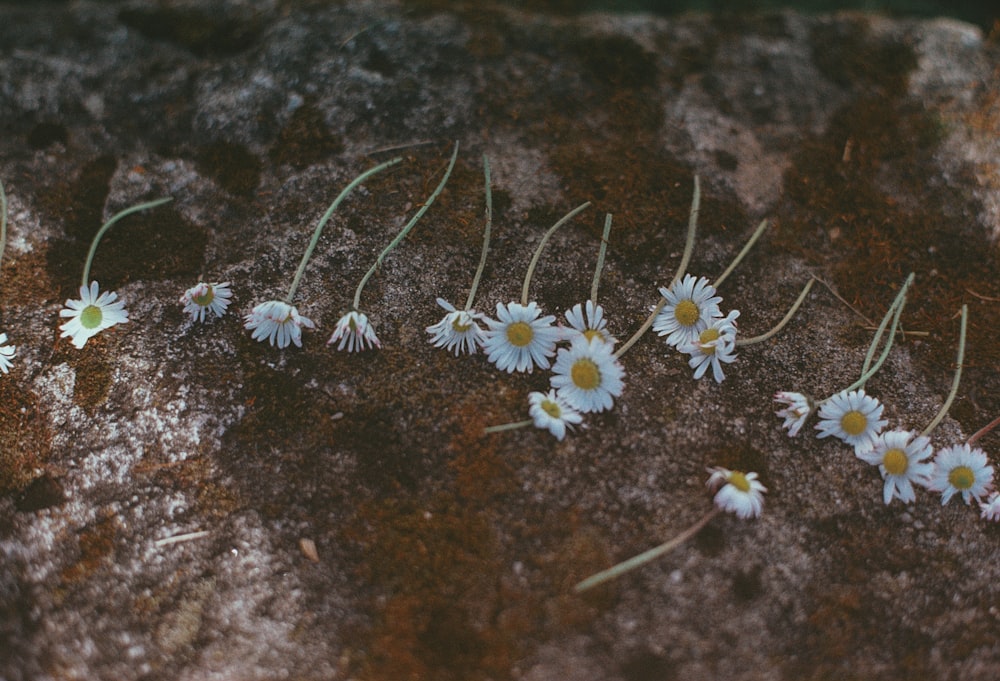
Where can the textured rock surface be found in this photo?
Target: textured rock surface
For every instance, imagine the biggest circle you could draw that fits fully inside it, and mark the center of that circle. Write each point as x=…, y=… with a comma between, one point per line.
x=444, y=554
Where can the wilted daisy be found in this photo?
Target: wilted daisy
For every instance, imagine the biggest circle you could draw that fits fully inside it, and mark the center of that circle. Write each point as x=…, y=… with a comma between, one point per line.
x=901, y=458
x=277, y=322
x=714, y=346
x=587, y=320
x=796, y=411
x=587, y=375
x=691, y=305
x=91, y=314
x=550, y=411
x=739, y=493
x=854, y=417
x=991, y=507
x=520, y=338
x=6, y=354
x=203, y=298
x=961, y=469
x=355, y=333
x=457, y=330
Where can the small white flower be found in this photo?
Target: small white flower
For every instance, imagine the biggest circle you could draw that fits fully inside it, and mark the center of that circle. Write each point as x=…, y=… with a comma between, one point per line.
x=961, y=469
x=588, y=321
x=740, y=493
x=713, y=347
x=278, y=322
x=901, y=459
x=355, y=332
x=551, y=411
x=796, y=411
x=691, y=306
x=457, y=331
x=91, y=314
x=991, y=507
x=6, y=354
x=202, y=298
x=853, y=417
x=521, y=339
x=588, y=376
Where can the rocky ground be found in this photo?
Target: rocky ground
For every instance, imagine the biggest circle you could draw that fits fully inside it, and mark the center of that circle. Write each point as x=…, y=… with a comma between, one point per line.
x=440, y=552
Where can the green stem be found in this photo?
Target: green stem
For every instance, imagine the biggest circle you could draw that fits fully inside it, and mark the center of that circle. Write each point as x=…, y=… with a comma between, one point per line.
x=406, y=229
x=788, y=316
x=646, y=557
x=742, y=254
x=507, y=426
x=600, y=257
x=958, y=375
x=486, y=235
x=107, y=225
x=897, y=301
x=541, y=245
x=323, y=220
x=3, y=220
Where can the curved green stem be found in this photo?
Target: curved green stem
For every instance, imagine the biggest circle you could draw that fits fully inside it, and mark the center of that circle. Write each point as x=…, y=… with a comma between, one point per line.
x=3, y=220
x=486, y=234
x=406, y=229
x=107, y=225
x=600, y=258
x=507, y=426
x=788, y=316
x=541, y=245
x=958, y=375
x=742, y=254
x=323, y=220
x=899, y=300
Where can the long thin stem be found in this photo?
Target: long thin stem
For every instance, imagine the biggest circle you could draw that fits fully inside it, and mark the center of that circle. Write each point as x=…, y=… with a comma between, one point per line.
x=107, y=225
x=645, y=557
x=326, y=216
x=788, y=316
x=486, y=234
x=742, y=254
x=602, y=251
x=681, y=268
x=541, y=245
x=3, y=220
x=897, y=301
x=508, y=426
x=982, y=431
x=406, y=229
x=958, y=375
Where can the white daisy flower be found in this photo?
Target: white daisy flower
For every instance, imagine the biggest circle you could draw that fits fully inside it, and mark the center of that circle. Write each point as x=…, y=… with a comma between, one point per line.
x=588, y=376
x=521, y=339
x=202, y=298
x=691, y=306
x=355, y=332
x=961, y=469
x=901, y=459
x=6, y=354
x=991, y=507
x=713, y=347
x=457, y=331
x=853, y=417
x=796, y=411
x=588, y=321
x=278, y=322
x=740, y=493
x=91, y=314
x=550, y=411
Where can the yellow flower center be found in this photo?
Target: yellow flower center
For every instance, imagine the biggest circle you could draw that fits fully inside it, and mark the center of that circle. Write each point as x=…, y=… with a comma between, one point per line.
x=91, y=317
x=591, y=334
x=551, y=408
x=895, y=462
x=458, y=327
x=706, y=337
x=351, y=324
x=205, y=299
x=686, y=312
x=520, y=334
x=585, y=374
x=961, y=477
x=739, y=481
x=853, y=422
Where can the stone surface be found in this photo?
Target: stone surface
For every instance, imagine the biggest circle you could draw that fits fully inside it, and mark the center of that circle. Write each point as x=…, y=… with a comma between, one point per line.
x=871, y=144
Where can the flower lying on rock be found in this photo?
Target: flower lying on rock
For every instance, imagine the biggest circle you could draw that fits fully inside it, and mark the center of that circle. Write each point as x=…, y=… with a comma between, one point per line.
x=203, y=298
x=691, y=305
x=354, y=332
x=552, y=412
x=520, y=338
x=901, y=458
x=713, y=347
x=587, y=375
x=457, y=330
x=739, y=493
x=796, y=411
x=854, y=417
x=961, y=469
x=6, y=353
x=91, y=314
x=277, y=322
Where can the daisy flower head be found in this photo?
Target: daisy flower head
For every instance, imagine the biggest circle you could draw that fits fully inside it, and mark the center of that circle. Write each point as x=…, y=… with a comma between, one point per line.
x=713, y=347
x=91, y=314
x=587, y=320
x=691, y=306
x=278, y=322
x=991, y=507
x=6, y=353
x=961, y=469
x=203, y=298
x=796, y=411
x=520, y=339
x=587, y=375
x=550, y=411
x=736, y=492
x=354, y=332
x=901, y=458
x=854, y=417
x=457, y=331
